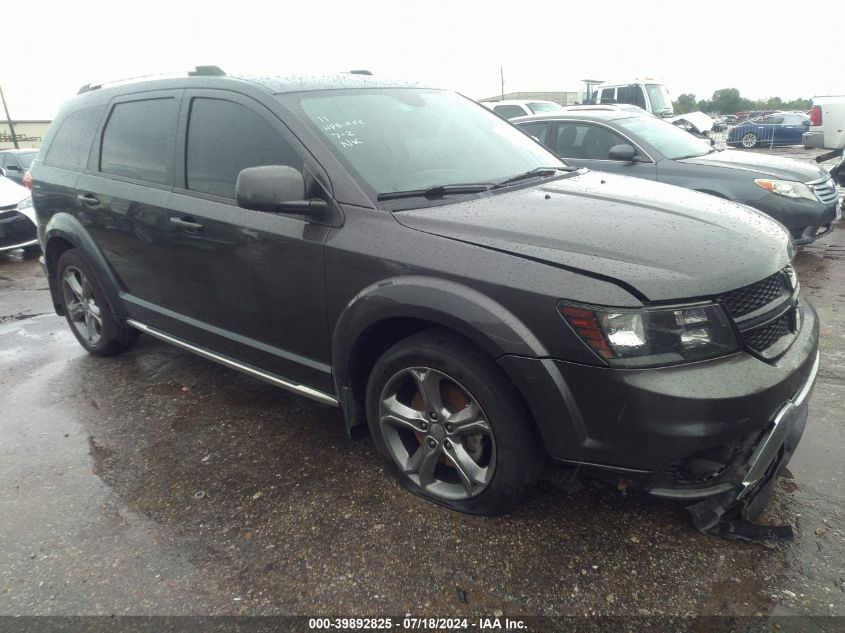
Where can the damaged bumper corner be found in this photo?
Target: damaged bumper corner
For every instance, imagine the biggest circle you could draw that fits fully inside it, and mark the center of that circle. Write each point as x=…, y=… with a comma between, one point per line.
x=729, y=511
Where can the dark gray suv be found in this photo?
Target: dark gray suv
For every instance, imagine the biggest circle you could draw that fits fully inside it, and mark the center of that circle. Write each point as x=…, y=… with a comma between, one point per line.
x=405, y=255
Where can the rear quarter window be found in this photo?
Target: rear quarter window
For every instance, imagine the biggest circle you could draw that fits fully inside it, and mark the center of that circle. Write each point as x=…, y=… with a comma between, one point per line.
x=138, y=140
x=72, y=143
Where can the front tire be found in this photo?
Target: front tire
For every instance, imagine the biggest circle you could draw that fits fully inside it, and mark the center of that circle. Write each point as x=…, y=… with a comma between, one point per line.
x=85, y=307
x=449, y=425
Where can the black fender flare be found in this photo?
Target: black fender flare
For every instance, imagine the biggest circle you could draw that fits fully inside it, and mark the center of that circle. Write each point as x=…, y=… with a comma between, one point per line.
x=456, y=306
x=67, y=227
x=481, y=320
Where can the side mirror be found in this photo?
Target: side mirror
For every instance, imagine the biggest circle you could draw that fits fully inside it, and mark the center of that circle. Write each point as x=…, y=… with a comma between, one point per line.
x=2, y=172
x=12, y=168
x=276, y=189
x=805, y=123
x=622, y=152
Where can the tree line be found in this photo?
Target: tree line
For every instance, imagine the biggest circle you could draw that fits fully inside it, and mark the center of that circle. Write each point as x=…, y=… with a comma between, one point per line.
x=729, y=101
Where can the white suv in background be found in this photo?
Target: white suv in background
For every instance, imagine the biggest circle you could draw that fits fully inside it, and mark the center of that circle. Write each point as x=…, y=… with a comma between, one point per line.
x=512, y=108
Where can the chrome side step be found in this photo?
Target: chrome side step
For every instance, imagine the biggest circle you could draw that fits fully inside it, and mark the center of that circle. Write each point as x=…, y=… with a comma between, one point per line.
x=302, y=390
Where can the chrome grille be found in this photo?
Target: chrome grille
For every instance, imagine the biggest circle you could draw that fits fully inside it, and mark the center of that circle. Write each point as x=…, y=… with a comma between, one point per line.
x=749, y=298
x=825, y=189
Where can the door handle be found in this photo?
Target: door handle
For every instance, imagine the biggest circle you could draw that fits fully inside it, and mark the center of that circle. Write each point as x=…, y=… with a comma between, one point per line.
x=88, y=199
x=186, y=223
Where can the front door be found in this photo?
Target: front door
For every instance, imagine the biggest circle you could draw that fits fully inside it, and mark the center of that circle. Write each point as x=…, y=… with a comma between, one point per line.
x=246, y=283
x=585, y=144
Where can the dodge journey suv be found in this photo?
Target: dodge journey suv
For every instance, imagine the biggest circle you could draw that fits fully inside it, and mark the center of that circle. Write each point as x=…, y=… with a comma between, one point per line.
x=406, y=255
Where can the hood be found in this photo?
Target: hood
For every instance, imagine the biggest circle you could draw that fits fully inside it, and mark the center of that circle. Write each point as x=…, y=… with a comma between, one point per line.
x=701, y=122
x=11, y=192
x=760, y=164
x=664, y=242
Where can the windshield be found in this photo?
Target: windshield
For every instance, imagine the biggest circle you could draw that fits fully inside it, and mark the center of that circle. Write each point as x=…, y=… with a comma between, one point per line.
x=26, y=158
x=409, y=139
x=536, y=108
x=668, y=139
x=659, y=98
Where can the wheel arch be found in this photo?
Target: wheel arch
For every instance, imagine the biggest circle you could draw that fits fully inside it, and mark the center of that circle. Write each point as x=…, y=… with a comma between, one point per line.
x=64, y=232
x=384, y=313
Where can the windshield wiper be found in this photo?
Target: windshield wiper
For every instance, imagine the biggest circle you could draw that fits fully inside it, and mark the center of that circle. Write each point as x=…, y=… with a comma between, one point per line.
x=535, y=173
x=435, y=192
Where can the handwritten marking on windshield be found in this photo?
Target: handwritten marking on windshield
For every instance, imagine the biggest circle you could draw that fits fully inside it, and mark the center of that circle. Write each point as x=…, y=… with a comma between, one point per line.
x=344, y=137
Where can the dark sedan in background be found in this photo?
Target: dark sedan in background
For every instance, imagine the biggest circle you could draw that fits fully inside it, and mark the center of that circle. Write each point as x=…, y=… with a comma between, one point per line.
x=15, y=162
x=778, y=128
x=802, y=197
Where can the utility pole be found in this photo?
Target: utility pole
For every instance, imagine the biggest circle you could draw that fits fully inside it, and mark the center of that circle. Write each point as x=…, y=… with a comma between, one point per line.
x=9, y=119
x=502, y=77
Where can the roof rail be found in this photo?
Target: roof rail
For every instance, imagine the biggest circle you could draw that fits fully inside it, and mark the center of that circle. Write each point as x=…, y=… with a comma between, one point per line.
x=199, y=71
x=360, y=72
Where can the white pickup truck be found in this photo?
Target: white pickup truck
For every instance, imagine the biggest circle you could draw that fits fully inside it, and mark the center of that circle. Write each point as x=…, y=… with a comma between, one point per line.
x=827, y=123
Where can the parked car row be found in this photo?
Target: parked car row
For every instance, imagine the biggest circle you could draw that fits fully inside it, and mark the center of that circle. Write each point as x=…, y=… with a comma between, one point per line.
x=777, y=128
x=476, y=302
x=802, y=197
x=17, y=218
x=15, y=162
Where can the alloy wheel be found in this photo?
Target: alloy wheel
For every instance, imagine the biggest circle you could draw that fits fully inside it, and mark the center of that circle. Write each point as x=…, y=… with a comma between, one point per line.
x=81, y=306
x=749, y=140
x=437, y=433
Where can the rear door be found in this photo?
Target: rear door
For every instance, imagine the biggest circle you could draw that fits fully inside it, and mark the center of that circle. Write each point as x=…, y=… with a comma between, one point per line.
x=123, y=194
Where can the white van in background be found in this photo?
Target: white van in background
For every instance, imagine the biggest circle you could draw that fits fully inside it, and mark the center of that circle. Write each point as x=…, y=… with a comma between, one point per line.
x=645, y=93
x=827, y=123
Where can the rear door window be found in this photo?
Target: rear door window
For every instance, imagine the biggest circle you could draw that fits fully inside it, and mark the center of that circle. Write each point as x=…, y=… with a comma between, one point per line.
x=138, y=140
x=8, y=160
x=225, y=138
x=71, y=145
x=539, y=130
x=509, y=111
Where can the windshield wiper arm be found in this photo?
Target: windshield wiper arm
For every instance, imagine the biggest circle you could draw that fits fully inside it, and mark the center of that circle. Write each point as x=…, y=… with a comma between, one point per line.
x=536, y=172
x=435, y=192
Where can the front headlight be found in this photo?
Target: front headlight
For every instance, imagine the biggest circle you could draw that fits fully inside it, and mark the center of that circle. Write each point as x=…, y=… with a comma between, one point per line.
x=787, y=188
x=25, y=207
x=653, y=336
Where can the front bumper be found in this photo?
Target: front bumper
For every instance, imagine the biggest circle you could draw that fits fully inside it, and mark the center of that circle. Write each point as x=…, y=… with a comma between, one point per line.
x=771, y=451
x=16, y=231
x=806, y=220
x=685, y=432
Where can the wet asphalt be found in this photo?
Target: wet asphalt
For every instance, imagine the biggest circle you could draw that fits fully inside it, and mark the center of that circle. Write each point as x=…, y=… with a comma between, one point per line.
x=160, y=483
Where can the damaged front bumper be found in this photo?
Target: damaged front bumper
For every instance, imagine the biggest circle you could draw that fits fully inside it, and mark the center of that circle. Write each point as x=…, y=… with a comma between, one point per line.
x=729, y=511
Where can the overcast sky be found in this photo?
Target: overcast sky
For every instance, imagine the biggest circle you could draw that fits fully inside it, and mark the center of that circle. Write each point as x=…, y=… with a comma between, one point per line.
x=51, y=48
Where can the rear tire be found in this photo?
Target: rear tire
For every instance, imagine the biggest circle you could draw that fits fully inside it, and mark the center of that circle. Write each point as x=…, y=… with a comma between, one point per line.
x=749, y=141
x=449, y=425
x=86, y=309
